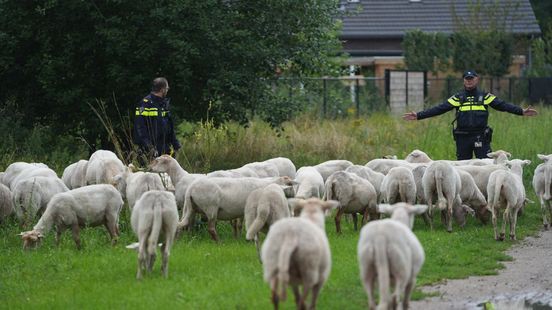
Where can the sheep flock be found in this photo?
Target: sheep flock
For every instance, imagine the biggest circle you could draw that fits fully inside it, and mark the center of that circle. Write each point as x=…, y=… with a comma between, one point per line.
x=284, y=205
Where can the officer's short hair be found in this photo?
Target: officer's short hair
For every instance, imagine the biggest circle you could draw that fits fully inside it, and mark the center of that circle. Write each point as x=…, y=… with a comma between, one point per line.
x=158, y=84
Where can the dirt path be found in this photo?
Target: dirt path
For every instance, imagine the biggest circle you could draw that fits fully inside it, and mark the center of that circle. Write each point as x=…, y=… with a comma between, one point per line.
x=525, y=283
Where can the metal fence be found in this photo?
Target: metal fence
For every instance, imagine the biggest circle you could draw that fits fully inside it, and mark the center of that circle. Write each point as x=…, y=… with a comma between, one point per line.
x=355, y=96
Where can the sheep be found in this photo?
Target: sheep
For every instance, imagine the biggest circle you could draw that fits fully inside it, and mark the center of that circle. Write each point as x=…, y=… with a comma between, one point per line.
x=264, y=206
x=389, y=251
x=154, y=216
x=441, y=181
x=296, y=252
x=481, y=174
x=328, y=167
x=399, y=185
x=263, y=169
x=233, y=173
x=31, y=196
x=417, y=156
x=132, y=185
x=285, y=166
x=506, y=191
x=74, y=175
x=497, y=157
x=383, y=165
x=166, y=163
x=309, y=183
x=221, y=199
x=90, y=205
x=6, y=202
x=542, y=184
x=355, y=195
x=473, y=201
x=372, y=176
x=14, y=169
x=32, y=172
x=102, y=168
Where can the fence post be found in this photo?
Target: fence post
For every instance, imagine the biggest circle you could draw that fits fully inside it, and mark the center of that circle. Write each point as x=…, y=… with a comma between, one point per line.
x=448, y=86
x=406, y=86
x=357, y=100
x=325, y=96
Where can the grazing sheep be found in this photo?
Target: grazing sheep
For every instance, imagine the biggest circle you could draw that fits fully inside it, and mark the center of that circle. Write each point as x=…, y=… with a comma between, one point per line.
x=221, y=199
x=285, y=166
x=35, y=171
x=14, y=169
x=90, y=205
x=542, y=184
x=264, y=206
x=166, y=163
x=399, y=185
x=473, y=201
x=102, y=170
x=74, y=176
x=31, y=196
x=328, y=167
x=442, y=184
x=296, y=252
x=154, y=217
x=354, y=194
x=506, y=191
x=481, y=174
x=418, y=156
x=263, y=169
x=383, y=165
x=372, y=176
x=233, y=173
x=132, y=185
x=6, y=202
x=309, y=183
x=390, y=252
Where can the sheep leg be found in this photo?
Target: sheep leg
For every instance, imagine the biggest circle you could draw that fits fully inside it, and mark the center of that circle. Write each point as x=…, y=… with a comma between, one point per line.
x=493, y=216
x=274, y=290
x=257, y=246
x=296, y=294
x=369, y=280
x=549, y=207
x=427, y=220
x=355, y=220
x=111, y=226
x=59, y=231
x=211, y=226
x=544, y=211
x=338, y=220
x=315, y=291
x=142, y=258
x=408, y=292
x=151, y=248
x=76, y=235
x=165, y=250
x=513, y=222
x=304, y=295
x=505, y=219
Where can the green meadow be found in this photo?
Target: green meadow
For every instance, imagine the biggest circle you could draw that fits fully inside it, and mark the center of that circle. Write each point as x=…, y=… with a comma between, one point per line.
x=228, y=275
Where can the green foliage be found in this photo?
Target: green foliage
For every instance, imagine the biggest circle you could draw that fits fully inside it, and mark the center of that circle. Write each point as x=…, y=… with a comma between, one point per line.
x=426, y=51
x=59, y=57
x=542, y=55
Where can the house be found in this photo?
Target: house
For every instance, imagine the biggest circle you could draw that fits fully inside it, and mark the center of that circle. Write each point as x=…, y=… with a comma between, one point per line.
x=373, y=29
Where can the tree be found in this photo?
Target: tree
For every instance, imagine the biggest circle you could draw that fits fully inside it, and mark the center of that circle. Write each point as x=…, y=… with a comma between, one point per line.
x=426, y=51
x=61, y=56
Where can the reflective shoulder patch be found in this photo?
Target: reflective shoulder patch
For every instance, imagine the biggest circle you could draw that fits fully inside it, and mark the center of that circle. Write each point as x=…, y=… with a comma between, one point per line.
x=489, y=98
x=454, y=100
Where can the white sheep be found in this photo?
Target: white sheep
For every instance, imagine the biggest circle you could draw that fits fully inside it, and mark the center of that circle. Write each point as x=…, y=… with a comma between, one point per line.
x=481, y=174
x=91, y=205
x=542, y=184
x=328, y=167
x=264, y=206
x=154, y=217
x=222, y=199
x=418, y=156
x=442, y=184
x=263, y=169
x=31, y=196
x=132, y=185
x=169, y=165
x=354, y=194
x=35, y=171
x=74, y=175
x=285, y=166
x=390, y=252
x=473, y=201
x=372, y=176
x=507, y=192
x=6, y=202
x=14, y=169
x=383, y=165
x=309, y=183
x=399, y=185
x=296, y=252
x=101, y=170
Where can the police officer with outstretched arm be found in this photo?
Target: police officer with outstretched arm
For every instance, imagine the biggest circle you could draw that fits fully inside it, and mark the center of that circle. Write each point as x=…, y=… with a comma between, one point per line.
x=471, y=132
x=153, y=126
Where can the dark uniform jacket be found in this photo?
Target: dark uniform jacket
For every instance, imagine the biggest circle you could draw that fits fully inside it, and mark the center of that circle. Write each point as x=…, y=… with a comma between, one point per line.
x=471, y=109
x=153, y=125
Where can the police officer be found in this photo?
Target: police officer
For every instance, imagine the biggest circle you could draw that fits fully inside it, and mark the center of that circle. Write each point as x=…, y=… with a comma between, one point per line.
x=471, y=132
x=153, y=126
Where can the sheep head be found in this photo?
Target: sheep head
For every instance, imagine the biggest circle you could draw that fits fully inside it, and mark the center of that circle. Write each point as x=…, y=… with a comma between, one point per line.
x=31, y=238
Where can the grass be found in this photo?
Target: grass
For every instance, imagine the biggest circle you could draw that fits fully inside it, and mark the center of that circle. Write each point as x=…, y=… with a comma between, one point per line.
x=205, y=275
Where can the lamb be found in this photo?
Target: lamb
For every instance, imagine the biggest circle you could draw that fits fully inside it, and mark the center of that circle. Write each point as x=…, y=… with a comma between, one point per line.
x=132, y=185
x=542, y=184
x=263, y=169
x=264, y=206
x=399, y=185
x=506, y=191
x=222, y=199
x=90, y=205
x=74, y=176
x=328, y=167
x=102, y=167
x=354, y=194
x=441, y=181
x=309, y=183
x=296, y=252
x=6, y=202
x=285, y=166
x=390, y=252
x=372, y=176
x=31, y=196
x=153, y=217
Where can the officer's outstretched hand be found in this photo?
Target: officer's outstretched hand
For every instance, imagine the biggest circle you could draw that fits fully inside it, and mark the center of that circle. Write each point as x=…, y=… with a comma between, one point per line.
x=529, y=111
x=410, y=116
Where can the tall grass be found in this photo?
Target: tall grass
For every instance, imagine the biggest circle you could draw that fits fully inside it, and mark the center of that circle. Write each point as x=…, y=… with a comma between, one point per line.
x=205, y=275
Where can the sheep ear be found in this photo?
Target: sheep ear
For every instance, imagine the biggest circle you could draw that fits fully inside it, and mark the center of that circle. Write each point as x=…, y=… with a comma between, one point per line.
x=469, y=210
x=526, y=162
x=385, y=208
x=330, y=205
x=543, y=157
x=419, y=209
